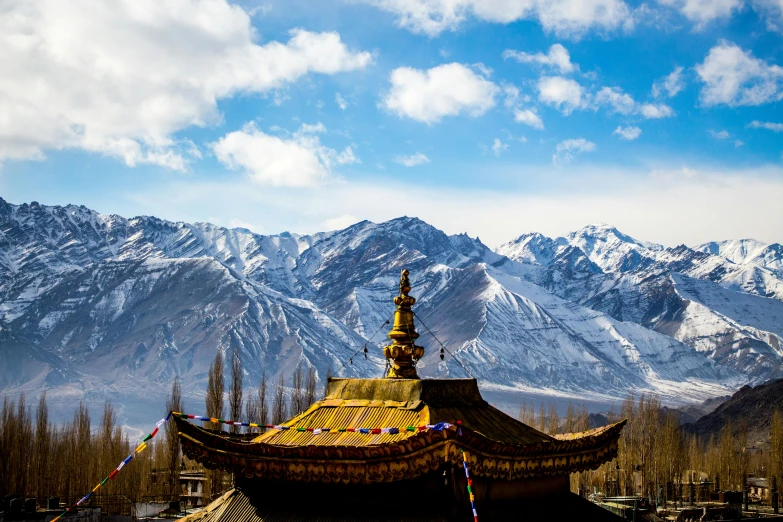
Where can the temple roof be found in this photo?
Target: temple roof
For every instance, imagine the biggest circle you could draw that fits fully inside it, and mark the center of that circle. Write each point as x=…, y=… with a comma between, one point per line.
x=400, y=403
x=500, y=446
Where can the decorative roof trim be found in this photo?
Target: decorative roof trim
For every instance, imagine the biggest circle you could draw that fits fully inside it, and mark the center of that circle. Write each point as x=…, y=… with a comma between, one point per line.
x=406, y=459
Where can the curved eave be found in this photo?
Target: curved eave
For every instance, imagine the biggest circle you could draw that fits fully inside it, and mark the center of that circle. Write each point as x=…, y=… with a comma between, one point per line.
x=401, y=460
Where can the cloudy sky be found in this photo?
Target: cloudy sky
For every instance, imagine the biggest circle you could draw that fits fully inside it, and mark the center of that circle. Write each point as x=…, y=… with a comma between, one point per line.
x=491, y=117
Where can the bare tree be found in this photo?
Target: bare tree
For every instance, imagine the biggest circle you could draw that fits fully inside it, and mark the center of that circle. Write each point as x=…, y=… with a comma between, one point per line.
x=297, y=391
x=43, y=435
x=215, y=390
x=174, y=403
x=214, y=400
x=553, y=420
x=310, y=388
x=235, y=392
x=256, y=407
x=263, y=408
x=279, y=406
x=541, y=425
x=328, y=378
x=776, y=446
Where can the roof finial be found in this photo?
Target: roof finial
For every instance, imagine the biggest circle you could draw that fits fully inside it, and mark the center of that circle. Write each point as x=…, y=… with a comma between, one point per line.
x=403, y=353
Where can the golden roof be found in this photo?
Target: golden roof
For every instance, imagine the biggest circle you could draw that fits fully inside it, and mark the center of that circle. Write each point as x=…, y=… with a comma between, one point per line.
x=499, y=446
x=367, y=403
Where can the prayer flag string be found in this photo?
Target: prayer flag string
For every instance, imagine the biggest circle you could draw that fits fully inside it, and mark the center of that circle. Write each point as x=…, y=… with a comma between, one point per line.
x=470, y=486
x=440, y=426
x=113, y=474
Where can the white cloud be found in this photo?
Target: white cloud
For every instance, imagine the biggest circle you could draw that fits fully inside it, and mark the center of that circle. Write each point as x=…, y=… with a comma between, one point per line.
x=498, y=147
x=445, y=90
x=616, y=99
x=122, y=77
x=670, y=210
x=340, y=101
x=735, y=77
x=413, y=160
x=719, y=135
x=528, y=117
x=622, y=103
x=511, y=95
x=567, y=150
x=339, y=222
x=557, y=57
x=772, y=10
x=701, y=12
x=312, y=128
x=628, y=133
x=300, y=161
x=774, y=127
x=563, y=93
x=739, y=143
x=653, y=111
x=669, y=85
x=563, y=17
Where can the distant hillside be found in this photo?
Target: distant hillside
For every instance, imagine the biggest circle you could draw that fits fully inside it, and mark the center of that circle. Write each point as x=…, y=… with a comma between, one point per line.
x=690, y=413
x=751, y=405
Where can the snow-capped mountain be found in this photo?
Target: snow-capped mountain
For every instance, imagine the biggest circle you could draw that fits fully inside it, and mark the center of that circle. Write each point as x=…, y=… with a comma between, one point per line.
x=747, y=251
x=104, y=306
x=731, y=311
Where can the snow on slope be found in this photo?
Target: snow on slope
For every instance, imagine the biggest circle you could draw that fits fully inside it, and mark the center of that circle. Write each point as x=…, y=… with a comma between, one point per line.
x=747, y=251
x=643, y=283
x=125, y=304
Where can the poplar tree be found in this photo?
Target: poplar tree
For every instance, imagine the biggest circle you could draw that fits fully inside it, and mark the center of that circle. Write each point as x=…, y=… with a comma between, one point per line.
x=235, y=392
x=215, y=390
x=279, y=404
x=214, y=403
x=43, y=442
x=776, y=447
x=174, y=403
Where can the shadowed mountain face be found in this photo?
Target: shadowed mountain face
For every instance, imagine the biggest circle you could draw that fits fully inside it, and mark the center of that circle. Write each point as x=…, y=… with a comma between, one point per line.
x=751, y=407
x=102, y=306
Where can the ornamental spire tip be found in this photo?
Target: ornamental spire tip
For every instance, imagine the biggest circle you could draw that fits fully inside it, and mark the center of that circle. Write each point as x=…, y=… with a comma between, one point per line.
x=403, y=353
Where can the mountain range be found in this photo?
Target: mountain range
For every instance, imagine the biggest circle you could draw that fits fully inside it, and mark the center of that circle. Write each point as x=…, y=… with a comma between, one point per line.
x=99, y=306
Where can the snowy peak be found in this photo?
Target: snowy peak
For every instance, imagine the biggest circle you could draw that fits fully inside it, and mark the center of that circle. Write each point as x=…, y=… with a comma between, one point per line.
x=597, y=311
x=747, y=251
x=609, y=235
x=474, y=249
x=533, y=248
x=612, y=250
x=735, y=250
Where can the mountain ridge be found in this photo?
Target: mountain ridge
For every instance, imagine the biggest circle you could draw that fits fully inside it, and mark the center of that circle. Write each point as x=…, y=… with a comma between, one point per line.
x=83, y=294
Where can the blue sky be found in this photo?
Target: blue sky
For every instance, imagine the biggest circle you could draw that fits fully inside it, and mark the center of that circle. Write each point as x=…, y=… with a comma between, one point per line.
x=492, y=118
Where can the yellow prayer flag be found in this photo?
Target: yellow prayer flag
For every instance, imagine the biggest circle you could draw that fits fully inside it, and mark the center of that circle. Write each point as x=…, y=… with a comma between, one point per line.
x=141, y=447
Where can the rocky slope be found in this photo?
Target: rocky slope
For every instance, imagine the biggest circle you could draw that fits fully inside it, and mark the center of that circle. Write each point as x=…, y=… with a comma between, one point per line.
x=103, y=306
x=751, y=408
x=732, y=312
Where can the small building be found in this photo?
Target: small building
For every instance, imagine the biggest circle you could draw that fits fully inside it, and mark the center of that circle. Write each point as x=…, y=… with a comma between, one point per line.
x=192, y=483
x=759, y=489
x=400, y=449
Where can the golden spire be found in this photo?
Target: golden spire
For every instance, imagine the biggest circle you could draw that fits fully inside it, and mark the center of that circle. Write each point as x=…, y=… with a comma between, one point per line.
x=403, y=353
